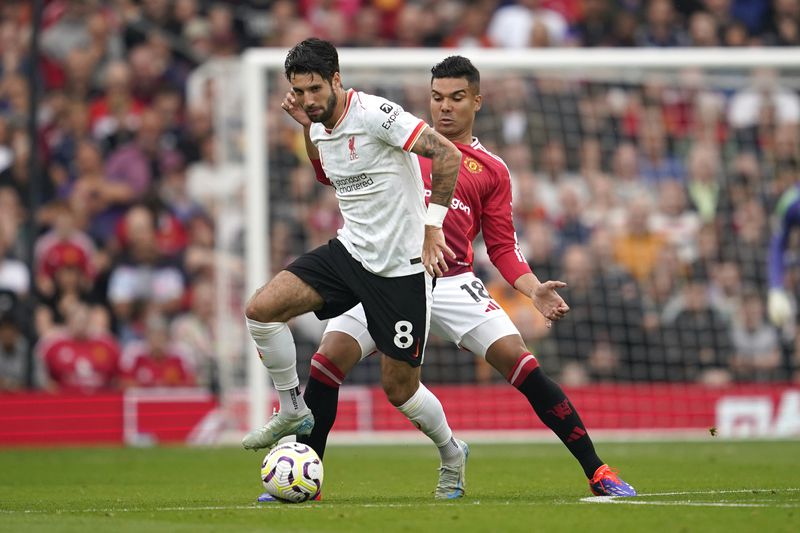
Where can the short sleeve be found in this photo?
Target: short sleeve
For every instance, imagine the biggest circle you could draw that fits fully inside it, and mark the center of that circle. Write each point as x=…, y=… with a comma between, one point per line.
x=388, y=121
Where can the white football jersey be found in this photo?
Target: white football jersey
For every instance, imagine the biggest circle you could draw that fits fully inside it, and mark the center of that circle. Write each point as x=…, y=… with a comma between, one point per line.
x=378, y=183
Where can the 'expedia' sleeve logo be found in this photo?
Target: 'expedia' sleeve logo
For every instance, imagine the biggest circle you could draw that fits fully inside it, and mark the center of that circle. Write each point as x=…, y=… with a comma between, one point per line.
x=386, y=108
x=473, y=165
x=389, y=121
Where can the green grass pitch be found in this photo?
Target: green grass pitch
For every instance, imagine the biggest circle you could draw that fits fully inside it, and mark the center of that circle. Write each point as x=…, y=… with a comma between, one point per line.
x=709, y=486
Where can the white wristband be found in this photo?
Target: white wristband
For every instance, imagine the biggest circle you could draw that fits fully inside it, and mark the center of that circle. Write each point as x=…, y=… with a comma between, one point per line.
x=435, y=215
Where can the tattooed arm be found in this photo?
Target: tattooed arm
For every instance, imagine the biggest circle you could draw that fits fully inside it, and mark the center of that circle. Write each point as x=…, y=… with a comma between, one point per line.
x=446, y=159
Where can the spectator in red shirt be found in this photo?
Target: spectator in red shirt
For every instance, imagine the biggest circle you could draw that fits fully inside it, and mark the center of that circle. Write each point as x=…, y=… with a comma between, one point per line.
x=156, y=361
x=63, y=244
x=77, y=358
x=65, y=275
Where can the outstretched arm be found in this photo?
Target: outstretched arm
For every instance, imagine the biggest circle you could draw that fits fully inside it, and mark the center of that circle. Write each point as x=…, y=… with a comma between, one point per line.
x=504, y=251
x=445, y=160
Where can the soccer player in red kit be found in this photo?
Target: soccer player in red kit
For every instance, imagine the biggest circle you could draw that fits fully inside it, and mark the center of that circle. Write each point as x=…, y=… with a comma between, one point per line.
x=463, y=311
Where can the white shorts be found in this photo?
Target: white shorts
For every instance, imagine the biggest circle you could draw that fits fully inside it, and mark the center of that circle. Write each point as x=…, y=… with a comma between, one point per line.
x=462, y=312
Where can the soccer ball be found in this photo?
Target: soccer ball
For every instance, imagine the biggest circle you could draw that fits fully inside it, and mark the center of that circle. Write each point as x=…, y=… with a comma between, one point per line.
x=292, y=472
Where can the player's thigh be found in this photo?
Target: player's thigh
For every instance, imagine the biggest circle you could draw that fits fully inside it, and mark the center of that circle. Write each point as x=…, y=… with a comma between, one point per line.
x=328, y=270
x=398, y=314
x=346, y=339
x=464, y=313
x=285, y=296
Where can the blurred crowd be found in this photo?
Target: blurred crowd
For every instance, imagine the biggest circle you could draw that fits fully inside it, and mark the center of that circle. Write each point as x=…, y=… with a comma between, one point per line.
x=651, y=200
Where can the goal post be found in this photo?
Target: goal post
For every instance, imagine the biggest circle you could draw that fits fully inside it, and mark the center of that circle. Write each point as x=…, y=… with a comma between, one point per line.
x=390, y=71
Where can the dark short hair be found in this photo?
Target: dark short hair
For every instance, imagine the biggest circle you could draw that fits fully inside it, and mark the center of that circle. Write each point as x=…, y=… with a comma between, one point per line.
x=312, y=56
x=457, y=67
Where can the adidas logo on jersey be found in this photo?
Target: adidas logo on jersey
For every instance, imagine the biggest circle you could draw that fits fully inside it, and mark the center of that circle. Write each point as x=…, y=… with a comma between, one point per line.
x=491, y=307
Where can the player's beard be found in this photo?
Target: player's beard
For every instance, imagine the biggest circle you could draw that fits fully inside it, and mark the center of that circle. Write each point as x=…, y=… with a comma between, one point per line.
x=327, y=113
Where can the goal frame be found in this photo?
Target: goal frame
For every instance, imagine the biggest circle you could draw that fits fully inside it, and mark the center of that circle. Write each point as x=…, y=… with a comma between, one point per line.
x=258, y=61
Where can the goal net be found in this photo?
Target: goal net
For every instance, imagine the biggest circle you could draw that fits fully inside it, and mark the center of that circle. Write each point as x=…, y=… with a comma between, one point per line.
x=645, y=179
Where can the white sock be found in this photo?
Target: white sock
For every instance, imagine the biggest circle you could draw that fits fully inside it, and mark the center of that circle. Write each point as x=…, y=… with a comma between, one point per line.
x=450, y=453
x=425, y=411
x=276, y=346
x=291, y=401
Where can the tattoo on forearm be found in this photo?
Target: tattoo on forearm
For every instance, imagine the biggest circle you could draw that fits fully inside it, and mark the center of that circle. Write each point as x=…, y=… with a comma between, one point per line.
x=444, y=171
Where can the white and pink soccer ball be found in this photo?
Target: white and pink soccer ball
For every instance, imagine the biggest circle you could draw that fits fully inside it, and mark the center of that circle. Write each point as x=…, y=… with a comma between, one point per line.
x=292, y=472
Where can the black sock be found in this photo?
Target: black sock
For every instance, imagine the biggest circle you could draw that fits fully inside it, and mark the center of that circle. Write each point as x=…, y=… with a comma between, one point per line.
x=556, y=411
x=322, y=397
x=323, y=401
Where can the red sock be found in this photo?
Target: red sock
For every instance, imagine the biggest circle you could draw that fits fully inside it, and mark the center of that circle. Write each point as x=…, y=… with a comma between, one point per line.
x=526, y=364
x=323, y=370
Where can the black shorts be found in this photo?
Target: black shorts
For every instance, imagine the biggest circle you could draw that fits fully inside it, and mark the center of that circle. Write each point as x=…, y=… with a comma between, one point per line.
x=397, y=309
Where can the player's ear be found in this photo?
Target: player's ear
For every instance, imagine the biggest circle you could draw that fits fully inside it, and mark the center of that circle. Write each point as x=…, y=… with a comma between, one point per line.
x=478, y=102
x=336, y=80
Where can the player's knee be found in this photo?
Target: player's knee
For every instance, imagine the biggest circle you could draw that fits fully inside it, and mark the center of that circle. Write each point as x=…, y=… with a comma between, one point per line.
x=254, y=311
x=504, y=353
x=343, y=361
x=503, y=362
x=399, y=392
x=262, y=308
x=340, y=349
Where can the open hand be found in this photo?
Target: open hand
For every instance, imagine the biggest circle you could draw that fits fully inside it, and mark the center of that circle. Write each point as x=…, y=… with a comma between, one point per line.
x=434, y=249
x=549, y=302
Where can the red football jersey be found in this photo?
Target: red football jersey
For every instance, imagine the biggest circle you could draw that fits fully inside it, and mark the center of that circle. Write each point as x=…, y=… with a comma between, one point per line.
x=81, y=365
x=143, y=370
x=482, y=202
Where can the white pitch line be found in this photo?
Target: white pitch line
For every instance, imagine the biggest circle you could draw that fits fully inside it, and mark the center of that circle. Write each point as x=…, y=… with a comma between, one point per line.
x=128, y=509
x=317, y=506
x=690, y=503
x=253, y=507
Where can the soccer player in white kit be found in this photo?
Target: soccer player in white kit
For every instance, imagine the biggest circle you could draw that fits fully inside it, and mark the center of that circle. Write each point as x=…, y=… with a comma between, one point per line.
x=463, y=311
x=387, y=250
